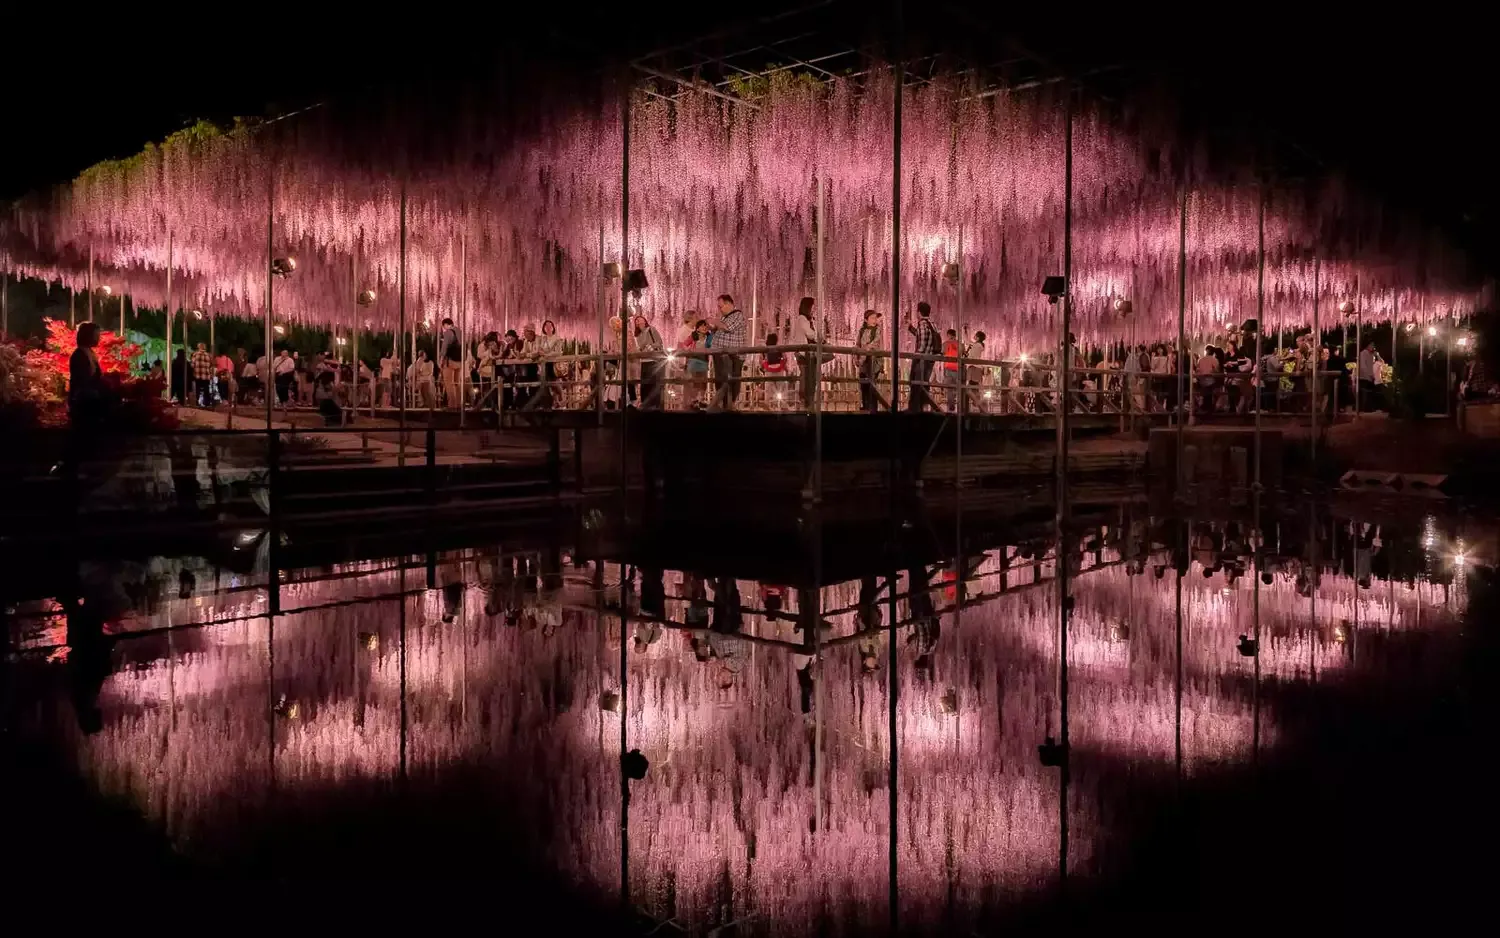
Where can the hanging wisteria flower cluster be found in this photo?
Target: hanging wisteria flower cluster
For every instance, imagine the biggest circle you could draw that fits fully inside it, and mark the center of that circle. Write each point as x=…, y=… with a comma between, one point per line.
x=513, y=202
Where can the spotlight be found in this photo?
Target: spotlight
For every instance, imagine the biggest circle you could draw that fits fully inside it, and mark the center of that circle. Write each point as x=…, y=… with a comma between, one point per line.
x=1411, y=327
x=279, y=329
x=341, y=341
x=1123, y=306
x=369, y=641
x=198, y=314
x=1341, y=633
x=1463, y=340
x=1459, y=559
x=283, y=266
x=611, y=271
x=1053, y=288
x=609, y=701
x=1347, y=307
x=1119, y=633
x=365, y=298
x=988, y=394
x=106, y=289
x=1250, y=326
x=1248, y=646
x=1432, y=330
x=950, y=273
x=635, y=281
x=1024, y=358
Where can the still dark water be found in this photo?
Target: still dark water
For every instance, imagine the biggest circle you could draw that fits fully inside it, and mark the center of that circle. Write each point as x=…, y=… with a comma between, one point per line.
x=1290, y=740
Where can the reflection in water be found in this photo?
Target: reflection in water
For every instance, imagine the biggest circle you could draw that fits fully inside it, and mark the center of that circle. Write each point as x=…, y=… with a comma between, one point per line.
x=762, y=708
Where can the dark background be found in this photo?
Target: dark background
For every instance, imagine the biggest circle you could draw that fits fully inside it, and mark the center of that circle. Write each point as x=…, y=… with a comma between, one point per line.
x=1400, y=105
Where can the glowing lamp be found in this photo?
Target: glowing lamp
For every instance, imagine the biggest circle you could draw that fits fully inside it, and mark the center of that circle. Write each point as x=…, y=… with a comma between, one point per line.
x=283, y=266
x=1347, y=307
x=1119, y=633
x=988, y=394
x=1123, y=306
x=1432, y=330
x=341, y=341
x=950, y=272
x=1411, y=327
x=609, y=701
x=1341, y=633
x=365, y=298
x=279, y=329
x=611, y=271
x=1024, y=358
x=198, y=314
x=106, y=289
x=635, y=281
x=369, y=641
x=1463, y=340
x=1459, y=559
x=1054, y=287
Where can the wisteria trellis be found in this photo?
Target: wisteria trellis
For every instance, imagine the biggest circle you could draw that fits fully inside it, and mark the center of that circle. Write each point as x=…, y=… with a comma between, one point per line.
x=527, y=183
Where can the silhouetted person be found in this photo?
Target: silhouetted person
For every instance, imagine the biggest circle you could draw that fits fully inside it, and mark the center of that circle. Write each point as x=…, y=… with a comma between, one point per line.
x=88, y=662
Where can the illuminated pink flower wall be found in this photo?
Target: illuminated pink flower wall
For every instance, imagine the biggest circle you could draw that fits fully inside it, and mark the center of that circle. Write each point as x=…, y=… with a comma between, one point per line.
x=730, y=796
x=508, y=200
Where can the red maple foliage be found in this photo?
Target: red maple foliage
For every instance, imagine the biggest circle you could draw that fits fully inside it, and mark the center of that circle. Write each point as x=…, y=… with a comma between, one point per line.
x=141, y=406
x=114, y=352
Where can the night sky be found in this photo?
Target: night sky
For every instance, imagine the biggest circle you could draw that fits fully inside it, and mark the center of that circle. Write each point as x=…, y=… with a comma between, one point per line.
x=1402, y=107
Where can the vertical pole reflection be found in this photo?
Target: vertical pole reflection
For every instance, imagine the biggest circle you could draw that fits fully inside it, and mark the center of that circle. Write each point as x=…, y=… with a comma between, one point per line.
x=627, y=575
x=1064, y=550
x=892, y=681
x=401, y=661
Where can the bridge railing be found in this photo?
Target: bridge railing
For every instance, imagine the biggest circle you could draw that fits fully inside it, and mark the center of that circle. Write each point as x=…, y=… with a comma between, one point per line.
x=842, y=379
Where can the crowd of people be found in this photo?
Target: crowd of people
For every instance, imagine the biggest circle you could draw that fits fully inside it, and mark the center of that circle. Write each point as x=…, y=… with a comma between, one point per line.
x=704, y=364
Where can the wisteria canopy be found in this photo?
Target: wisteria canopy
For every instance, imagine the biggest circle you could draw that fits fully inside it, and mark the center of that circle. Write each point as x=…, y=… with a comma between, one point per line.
x=510, y=195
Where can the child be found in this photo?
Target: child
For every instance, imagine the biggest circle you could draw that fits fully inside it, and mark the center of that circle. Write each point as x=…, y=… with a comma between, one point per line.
x=773, y=366
x=699, y=340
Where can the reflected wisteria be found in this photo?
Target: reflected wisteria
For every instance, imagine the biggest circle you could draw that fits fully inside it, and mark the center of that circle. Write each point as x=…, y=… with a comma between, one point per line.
x=486, y=684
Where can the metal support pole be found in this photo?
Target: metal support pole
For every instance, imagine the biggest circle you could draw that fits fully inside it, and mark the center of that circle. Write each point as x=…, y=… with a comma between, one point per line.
x=1395, y=334
x=817, y=360
x=960, y=387
x=599, y=346
x=1314, y=377
x=1448, y=370
x=354, y=333
x=73, y=311
x=1359, y=346
x=91, y=283
x=463, y=327
x=624, y=292
x=1260, y=311
x=122, y=314
x=5, y=305
x=268, y=380
x=401, y=330
x=169, y=315
x=1180, y=353
x=896, y=270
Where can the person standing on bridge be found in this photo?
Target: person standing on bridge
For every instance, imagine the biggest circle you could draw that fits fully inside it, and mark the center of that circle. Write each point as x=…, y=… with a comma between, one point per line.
x=648, y=342
x=868, y=342
x=929, y=345
x=729, y=338
x=803, y=332
x=450, y=359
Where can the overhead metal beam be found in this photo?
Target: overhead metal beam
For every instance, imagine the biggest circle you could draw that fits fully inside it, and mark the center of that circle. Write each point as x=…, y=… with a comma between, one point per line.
x=696, y=84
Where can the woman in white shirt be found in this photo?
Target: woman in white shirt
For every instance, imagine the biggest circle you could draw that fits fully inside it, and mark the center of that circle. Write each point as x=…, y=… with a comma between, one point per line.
x=423, y=381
